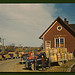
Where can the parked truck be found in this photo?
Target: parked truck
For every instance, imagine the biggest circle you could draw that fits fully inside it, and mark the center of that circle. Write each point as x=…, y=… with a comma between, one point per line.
x=25, y=56
x=12, y=55
x=6, y=56
x=36, y=61
x=53, y=55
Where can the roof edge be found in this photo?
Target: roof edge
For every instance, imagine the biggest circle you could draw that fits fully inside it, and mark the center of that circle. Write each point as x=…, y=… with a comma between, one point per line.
x=58, y=20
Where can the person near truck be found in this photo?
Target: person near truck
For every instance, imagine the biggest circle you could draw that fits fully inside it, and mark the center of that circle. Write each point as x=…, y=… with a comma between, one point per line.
x=43, y=61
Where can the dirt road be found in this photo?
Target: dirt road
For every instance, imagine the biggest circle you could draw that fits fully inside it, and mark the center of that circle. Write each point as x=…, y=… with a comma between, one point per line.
x=12, y=65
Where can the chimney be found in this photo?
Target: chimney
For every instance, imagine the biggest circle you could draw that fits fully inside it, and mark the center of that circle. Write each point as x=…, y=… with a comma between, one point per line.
x=65, y=20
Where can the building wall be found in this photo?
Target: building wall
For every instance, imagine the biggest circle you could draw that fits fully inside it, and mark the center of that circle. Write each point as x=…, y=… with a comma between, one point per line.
x=53, y=32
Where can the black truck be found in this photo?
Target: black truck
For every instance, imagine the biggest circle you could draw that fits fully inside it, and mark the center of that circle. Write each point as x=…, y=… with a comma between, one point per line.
x=39, y=61
x=23, y=58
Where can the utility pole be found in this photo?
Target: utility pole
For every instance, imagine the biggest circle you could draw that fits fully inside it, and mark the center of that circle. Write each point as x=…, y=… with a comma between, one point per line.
x=3, y=42
x=0, y=39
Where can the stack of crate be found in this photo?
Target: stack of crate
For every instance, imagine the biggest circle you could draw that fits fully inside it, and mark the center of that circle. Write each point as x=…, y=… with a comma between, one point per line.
x=70, y=56
x=52, y=53
x=62, y=53
x=58, y=54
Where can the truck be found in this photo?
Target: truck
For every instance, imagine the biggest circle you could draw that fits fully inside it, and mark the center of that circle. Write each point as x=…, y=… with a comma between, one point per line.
x=6, y=56
x=36, y=62
x=53, y=55
x=25, y=56
x=12, y=55
x=20, y=54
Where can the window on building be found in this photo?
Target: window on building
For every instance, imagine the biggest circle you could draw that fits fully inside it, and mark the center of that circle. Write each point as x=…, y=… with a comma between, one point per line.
x=59, y=42
x=48, y=44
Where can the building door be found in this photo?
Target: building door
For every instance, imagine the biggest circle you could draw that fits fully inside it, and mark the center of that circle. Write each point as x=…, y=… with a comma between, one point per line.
x=48, y=44
x=60, y=42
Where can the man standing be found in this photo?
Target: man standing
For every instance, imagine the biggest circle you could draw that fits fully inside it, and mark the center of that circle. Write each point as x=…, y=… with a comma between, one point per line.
x=43, y=60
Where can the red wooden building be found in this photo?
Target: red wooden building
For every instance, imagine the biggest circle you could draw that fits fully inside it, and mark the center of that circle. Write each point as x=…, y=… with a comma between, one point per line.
x=59, y=34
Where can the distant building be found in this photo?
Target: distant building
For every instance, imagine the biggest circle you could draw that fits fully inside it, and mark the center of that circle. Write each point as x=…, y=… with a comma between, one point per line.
x=59, y=34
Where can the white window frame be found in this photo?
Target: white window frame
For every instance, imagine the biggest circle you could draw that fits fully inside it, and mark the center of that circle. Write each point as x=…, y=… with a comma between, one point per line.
x=59, y=41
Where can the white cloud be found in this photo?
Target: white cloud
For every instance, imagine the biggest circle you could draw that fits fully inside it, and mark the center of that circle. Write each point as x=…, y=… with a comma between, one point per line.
x=24, y=23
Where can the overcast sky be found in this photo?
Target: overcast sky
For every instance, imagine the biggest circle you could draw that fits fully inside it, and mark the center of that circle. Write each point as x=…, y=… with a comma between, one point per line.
x=24, y=23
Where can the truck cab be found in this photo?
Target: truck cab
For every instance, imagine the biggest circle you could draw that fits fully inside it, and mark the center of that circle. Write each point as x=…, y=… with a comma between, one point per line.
x=37, y=61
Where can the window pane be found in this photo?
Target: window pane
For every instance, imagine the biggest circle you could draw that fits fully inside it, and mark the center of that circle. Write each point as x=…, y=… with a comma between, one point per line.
x=57, y=42
x=61, y=41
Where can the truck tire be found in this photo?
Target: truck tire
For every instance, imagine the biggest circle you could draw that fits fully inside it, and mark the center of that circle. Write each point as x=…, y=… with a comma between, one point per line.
x=32, y=66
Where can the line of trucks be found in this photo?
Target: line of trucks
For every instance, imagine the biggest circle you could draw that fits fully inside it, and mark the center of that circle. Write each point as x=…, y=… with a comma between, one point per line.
x=45, y=58
x=10, y=55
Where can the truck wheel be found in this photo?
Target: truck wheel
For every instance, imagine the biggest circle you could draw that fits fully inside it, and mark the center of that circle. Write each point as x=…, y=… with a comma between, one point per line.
x=32, y=66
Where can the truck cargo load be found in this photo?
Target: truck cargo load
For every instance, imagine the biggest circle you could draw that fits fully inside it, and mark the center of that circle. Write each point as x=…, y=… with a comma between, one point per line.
x=58, y=54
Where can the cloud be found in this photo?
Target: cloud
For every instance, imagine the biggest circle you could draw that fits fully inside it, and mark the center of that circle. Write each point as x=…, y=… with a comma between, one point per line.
x=24, y=23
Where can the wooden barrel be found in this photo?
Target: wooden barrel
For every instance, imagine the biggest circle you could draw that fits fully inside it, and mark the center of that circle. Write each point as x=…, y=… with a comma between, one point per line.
x=62, y=55
x=57, y=50
x=61, y=50
x=55, y=57
x=51, y=51
x=47, y=53
x=52, y=58
x=59, y=56
x=65, y=50
x=65, y=56
x=70, y=55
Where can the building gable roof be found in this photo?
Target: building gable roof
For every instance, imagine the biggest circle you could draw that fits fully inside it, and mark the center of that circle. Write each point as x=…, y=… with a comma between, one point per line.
x=66, y=26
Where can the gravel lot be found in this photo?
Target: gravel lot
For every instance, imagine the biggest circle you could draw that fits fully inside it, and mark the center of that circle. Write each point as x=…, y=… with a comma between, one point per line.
x=12, y=65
